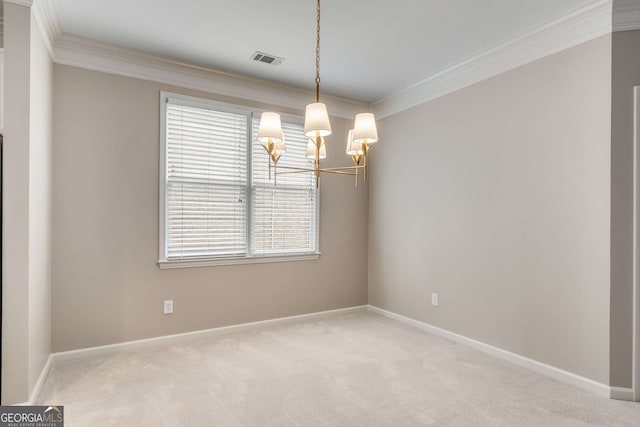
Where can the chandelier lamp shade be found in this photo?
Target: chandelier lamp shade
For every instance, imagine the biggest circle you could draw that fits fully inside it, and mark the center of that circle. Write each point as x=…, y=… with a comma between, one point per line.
x=364, y=130
x=353, y=148
x=316, y=120
x=311, y=149
x=316, y=127
x=271, y=136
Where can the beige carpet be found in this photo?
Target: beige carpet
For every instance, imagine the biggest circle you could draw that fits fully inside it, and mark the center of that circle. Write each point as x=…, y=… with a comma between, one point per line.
x=352, y=370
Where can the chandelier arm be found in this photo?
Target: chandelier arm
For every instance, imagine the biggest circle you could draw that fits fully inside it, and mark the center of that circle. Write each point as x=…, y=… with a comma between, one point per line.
x=364, y=173
x=322, y=171
x=297, y=169
x=337, y=172
x=341, y=168
x=347, y=170
x=344, y=168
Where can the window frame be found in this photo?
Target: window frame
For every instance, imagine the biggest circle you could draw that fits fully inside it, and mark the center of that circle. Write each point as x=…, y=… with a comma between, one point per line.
x=249, y=258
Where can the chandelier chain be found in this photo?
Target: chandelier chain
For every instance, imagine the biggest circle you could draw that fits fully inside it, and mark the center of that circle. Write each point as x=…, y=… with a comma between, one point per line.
x=318, y=52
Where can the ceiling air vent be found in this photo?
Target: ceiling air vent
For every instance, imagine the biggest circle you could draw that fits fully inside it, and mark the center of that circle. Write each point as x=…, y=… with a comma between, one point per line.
x=267, y=58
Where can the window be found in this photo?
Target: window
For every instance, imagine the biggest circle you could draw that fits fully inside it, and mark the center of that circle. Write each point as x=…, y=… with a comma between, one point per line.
x=217, y=203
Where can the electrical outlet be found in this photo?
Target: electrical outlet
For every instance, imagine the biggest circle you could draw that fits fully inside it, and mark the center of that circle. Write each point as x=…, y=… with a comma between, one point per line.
x=434, y=299
x=168, y=306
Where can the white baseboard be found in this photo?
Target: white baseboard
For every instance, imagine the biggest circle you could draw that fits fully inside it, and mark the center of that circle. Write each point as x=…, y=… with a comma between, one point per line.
x=533, y=365
x=129, y=345
x=622, y=393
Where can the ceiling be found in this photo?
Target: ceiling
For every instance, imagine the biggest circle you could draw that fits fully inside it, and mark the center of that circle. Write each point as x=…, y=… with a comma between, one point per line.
x=370, y=48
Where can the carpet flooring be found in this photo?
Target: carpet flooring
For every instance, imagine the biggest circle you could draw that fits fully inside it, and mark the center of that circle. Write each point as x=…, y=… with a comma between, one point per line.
x=358, y=369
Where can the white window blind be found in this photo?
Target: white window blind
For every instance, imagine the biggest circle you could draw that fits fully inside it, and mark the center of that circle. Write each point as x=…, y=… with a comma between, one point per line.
x=283, y=213
x=217, y=200
x=206, y=182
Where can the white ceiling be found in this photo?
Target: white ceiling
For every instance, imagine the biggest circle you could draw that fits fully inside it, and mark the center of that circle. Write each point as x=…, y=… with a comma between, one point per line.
x=370, y=48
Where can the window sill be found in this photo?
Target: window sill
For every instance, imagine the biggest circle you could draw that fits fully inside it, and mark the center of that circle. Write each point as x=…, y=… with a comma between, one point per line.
x=212, y=262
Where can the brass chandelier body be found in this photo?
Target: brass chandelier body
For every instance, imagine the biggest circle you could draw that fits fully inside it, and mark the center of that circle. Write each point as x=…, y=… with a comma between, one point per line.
x=316, y=127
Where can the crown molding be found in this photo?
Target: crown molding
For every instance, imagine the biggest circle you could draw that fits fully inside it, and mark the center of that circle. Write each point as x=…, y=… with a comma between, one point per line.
x=79, y=52
x=26, y=3
x=83, y=53
x=570, y=30
x=47, y=20
x=626, y=15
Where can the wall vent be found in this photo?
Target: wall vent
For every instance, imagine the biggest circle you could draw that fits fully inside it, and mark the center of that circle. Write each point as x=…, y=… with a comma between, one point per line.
x=267, y=58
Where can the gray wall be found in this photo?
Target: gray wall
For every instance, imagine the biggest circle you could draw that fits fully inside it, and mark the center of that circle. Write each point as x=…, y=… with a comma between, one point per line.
x=497, y=197
x=625, y=75
x=107, y=285
x=27, y=203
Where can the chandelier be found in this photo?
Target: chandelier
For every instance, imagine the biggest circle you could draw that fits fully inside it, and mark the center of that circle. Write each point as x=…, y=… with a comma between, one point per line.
x=316, y=128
